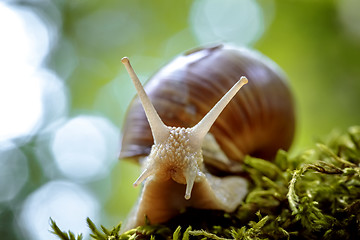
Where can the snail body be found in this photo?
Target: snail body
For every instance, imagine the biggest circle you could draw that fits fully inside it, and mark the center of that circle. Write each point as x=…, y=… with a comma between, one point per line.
x=185, y=153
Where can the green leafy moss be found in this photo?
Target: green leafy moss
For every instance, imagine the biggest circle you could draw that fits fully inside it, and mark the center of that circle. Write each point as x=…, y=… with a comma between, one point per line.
x=314, y=195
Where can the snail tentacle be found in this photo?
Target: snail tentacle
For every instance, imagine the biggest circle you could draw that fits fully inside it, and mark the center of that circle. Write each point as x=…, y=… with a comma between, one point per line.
x=158, y=128
x=146, y=173
x=203, y=127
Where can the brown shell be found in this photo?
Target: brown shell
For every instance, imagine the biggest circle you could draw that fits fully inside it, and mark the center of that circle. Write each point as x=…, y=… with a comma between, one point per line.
x=258, y=121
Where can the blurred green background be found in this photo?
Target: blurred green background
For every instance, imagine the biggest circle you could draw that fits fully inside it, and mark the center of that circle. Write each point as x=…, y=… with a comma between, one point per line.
x=64, y=92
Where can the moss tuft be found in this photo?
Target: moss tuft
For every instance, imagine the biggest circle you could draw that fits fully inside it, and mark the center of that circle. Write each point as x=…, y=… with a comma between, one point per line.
x=314, y=195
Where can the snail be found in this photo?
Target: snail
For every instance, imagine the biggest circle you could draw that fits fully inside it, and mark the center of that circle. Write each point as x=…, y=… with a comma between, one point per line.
x=190, y=130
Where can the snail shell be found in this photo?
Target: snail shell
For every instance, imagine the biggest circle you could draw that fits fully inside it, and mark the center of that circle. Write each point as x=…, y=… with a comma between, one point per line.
x=258, y=122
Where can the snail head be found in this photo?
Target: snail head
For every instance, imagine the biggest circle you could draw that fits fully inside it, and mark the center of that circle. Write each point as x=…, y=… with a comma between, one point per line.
x=176, y=152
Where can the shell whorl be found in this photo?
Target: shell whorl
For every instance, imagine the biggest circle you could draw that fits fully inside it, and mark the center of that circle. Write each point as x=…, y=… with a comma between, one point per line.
x=259, y=121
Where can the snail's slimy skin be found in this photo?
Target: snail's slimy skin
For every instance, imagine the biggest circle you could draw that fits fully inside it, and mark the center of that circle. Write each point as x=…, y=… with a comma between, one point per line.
x=177, y=158
x=175, y=166
x=162, y=200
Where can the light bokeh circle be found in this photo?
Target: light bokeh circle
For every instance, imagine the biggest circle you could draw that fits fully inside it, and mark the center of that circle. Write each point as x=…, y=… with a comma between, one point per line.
x=24, y=43
x=68, y=204
x=85, y=147
x=14, y=171
x=240, y=22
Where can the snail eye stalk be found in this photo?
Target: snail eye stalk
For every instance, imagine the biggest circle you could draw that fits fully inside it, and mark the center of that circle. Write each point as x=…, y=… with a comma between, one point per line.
x=159, y=130
x=203, y=127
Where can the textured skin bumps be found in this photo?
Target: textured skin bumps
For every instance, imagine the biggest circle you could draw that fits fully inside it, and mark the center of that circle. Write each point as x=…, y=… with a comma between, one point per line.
x=176, y=158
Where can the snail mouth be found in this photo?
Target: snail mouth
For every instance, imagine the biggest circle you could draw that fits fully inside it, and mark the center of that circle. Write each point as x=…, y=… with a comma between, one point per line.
x=176, y=175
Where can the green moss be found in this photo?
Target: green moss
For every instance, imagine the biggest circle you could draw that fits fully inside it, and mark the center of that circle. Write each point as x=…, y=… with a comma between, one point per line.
x=314, y=195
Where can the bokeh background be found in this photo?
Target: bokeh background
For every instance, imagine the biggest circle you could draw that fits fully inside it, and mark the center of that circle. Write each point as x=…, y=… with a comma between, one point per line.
x=64, y=92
